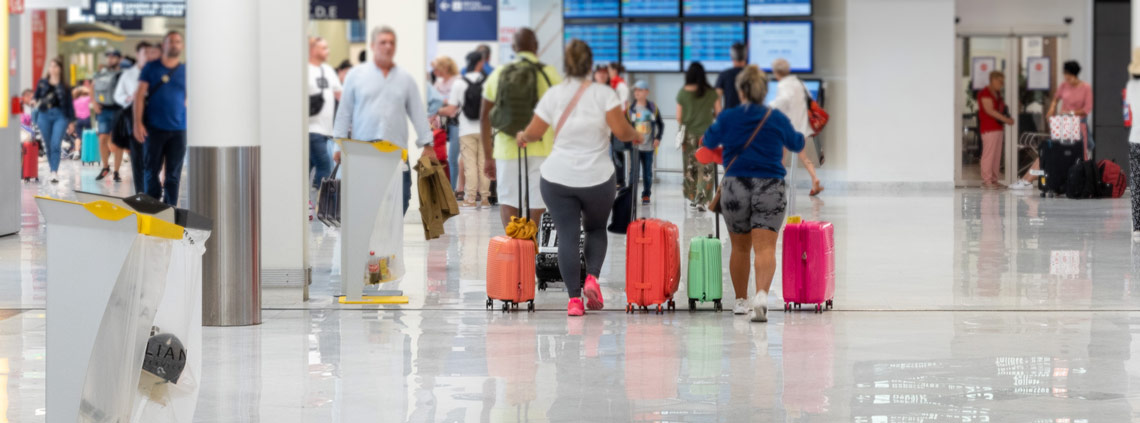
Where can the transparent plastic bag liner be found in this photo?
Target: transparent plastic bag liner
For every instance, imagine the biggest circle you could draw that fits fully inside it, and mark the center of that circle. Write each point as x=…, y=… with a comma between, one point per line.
x=180, y=315
x=113, y=373
x=385, y=247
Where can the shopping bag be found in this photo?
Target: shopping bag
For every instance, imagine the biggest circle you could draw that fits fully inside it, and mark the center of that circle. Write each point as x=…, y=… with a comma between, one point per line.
x=328, y=199
x=1065, y=128
x=385, y=247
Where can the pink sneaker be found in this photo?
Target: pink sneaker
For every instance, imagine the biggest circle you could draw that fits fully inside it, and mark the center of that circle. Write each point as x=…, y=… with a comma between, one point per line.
x=574, y=308
x=593, y=293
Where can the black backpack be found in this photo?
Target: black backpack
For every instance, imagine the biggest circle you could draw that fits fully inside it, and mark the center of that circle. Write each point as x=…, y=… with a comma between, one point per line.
x=1084, y=178
x=473, y=98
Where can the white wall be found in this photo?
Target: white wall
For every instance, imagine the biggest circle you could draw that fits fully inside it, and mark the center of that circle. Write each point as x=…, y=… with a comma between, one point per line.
x=900, y=104
x=283, y=50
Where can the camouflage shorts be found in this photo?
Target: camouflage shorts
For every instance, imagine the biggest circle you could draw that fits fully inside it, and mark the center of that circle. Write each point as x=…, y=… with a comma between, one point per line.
x=753, y=203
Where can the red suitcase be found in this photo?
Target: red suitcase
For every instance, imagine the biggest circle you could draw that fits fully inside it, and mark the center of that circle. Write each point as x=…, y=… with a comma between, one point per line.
x=31, y=154
x=809, y=265
x=510, y=261
x=653, y=259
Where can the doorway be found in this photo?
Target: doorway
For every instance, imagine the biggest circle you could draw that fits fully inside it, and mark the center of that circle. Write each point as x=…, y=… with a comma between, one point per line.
x=1031, y=64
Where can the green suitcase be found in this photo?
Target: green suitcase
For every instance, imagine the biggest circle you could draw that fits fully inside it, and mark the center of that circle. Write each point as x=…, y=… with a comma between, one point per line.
x=706, y=278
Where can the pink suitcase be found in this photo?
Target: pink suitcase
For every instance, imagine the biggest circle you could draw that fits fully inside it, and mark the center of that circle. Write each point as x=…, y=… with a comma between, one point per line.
x=809, y=265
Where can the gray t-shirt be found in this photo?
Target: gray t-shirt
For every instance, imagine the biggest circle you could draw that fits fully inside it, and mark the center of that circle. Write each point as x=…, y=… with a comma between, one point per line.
x=643, y=122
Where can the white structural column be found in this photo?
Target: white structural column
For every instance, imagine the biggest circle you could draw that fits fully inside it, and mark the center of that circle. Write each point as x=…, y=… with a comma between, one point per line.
x=1135, y=23
x=223, y=83
x=283, y=121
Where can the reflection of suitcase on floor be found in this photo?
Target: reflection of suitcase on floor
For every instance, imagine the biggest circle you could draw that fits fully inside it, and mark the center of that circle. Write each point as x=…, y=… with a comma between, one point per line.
x=546, y=263
x=31, y=161
x=512, y=355
x=809, y=264
x=89, y=152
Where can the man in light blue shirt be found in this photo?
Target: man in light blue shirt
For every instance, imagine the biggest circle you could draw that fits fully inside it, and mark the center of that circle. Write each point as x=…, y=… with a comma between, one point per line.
x=379, y=99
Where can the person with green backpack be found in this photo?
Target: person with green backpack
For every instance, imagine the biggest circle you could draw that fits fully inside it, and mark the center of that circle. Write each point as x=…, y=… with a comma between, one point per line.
x=510, y=95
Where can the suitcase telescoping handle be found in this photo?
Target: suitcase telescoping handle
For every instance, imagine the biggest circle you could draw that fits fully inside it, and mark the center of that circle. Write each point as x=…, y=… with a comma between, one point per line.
x=524, y=189
x=716, y=216
x=634, y=164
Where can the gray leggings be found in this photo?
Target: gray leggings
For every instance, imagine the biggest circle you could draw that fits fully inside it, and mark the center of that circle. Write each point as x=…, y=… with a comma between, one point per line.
x=573, y=210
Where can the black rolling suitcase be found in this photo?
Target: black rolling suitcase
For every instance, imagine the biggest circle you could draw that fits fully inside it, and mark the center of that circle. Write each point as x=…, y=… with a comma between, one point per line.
x=1057, y=158
x=546, y=263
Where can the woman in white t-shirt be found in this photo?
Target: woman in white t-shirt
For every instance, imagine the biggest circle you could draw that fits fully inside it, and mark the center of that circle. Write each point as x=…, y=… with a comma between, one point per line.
x=1132, y=97
x=578, y=178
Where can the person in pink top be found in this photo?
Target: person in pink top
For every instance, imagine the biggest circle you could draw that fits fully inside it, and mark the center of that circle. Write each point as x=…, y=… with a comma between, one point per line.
x=1074, y=97
x=82, y=104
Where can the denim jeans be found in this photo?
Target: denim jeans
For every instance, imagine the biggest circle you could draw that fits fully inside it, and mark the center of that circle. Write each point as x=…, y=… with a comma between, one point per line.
x=646, y=160
x=453, y=155
x=52, y=124
x=319, y=158
x=163, y=148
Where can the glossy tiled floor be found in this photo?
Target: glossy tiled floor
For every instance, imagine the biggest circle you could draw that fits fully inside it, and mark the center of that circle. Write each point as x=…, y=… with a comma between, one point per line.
x=951, y=306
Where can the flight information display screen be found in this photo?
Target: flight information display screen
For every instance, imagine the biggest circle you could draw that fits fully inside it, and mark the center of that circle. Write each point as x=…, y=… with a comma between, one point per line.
x=814, y=86
x=572, y=9
x=791, y=41
x=713, y=7
x=650, y=8
x=779, y=7
x=651, y=47
x=709, y=43
x=603, y=39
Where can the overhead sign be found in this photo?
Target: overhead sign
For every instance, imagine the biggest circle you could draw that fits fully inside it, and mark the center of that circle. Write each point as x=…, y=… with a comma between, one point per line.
x=468, y=20
x=112, y=10
x=352, y=10
x=513, y=15
x=39, y=43
x=15, y=7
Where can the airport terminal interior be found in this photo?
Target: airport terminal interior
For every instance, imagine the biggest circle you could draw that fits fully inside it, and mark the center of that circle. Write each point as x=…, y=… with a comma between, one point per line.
x=951, y=294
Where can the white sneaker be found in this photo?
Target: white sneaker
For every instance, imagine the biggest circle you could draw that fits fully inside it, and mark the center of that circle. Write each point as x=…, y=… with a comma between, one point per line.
x=55, y=177
x=760, y=307
x=1021, y=184
x=1136, y=235
x=741, y=306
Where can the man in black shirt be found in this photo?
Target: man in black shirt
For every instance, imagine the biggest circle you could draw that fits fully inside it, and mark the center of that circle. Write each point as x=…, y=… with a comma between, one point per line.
x=726, y=82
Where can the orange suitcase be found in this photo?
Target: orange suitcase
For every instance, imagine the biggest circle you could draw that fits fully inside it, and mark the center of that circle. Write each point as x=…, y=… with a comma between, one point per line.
x=653, y=261
x=510, y=263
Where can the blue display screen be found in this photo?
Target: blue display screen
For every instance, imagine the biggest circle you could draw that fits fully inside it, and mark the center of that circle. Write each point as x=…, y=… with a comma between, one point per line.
x=788, y=40
x=709, y=43
x=650, y=8
x=713, y=7
x=779, y=7
x=651, y=47
x=603, y=39
x=590, y=9
x=814, y=86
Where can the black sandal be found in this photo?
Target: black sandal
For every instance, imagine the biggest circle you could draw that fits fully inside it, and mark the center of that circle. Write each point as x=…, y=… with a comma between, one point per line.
x=103, y=174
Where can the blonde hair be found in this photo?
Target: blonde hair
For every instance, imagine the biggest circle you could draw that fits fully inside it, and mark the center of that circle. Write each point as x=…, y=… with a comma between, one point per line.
x=579, y=59
x=445, y=64
x=781, y=67
x=752, y=85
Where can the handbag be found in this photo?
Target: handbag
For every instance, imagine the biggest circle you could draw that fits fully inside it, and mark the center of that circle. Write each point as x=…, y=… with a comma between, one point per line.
x=714, y=206
x=317, y=101
x=1065, y=128
x=817, y=116
x=328, y=199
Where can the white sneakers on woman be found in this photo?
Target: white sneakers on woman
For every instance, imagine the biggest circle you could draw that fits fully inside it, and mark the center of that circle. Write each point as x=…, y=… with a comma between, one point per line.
x=760, y=307
x=1021, y=184
x=741, y=306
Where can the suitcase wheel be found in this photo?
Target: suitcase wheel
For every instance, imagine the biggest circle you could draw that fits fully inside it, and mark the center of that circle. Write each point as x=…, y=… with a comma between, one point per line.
x=660, y=310
x=506, y=306
x=819, y=308
x=787, y=307
x=644, y=309
x=672, y=305
x=629, y=308
x=541, y=285
x=829, y=304
x=530, y=306
x=490, y=303
x=718, y=306
x=692, y=305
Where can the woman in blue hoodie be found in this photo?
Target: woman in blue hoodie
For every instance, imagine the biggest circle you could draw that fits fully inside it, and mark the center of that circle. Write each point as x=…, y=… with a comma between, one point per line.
x=752, y=199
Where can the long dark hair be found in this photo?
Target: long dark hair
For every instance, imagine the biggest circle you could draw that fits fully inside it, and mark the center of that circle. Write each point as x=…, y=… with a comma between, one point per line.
x=696, y=76
x=59, y=62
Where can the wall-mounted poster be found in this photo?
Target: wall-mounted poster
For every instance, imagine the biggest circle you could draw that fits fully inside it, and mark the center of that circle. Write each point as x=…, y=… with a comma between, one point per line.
x=981, y=68
x=1040, y=74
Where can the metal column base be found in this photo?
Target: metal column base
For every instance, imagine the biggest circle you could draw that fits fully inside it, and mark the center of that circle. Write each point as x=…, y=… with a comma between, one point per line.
x=225, y=186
